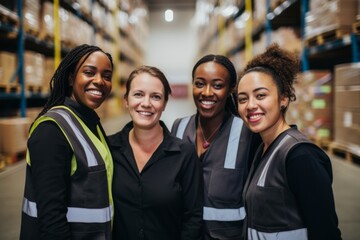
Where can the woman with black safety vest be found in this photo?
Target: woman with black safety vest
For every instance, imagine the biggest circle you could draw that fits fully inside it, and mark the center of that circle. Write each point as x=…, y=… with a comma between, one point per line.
x=288, y=194
x=157, y=185
x=224, y=145
x=69, y=165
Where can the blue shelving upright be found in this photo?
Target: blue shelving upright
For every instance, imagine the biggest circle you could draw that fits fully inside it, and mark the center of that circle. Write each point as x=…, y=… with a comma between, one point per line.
x=20, y=68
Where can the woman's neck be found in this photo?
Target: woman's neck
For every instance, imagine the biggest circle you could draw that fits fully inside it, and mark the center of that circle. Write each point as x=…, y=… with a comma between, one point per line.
x=144, y=143
x=209, y=124
x=206, y=131
x=147, y=139
x=272, y=133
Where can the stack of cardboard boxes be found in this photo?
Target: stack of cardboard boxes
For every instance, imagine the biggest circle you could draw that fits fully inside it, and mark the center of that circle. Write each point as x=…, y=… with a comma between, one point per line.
x=7, y=68
x=347, y=108
x=312, y=111
x=335, y=15
x=14, y=135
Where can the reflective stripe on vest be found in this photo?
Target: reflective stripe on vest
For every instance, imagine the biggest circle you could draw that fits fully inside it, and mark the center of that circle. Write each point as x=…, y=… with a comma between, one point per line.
x=75, y=215
x=298, y=234
x=182, y=126
x=261, y=181
x=90, y=157
x=224, y=214
x=234, y=138
x=221, y=214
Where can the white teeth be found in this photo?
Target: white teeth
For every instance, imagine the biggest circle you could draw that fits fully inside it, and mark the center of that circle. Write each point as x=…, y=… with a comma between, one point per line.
x=95, y=92
x=255, y=116
x=146, y=113
x=208, y=102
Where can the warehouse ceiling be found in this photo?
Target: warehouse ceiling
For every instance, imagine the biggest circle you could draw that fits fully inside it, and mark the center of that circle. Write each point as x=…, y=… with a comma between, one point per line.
x=170, y=4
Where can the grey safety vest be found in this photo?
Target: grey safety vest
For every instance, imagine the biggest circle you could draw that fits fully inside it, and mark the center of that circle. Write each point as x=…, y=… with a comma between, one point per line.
x=225, y=165
x=89, y=210
x=272, y=212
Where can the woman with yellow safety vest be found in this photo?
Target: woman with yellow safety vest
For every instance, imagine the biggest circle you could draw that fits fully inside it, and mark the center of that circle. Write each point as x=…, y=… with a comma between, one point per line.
x=69, y=165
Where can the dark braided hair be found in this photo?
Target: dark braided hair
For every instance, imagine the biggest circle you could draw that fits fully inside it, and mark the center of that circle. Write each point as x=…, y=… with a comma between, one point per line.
x=69, y=66
x=281, y=65
x=231, y=103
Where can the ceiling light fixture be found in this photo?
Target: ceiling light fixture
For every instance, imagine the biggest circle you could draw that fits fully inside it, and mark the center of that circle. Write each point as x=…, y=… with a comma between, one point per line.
x=169, y=15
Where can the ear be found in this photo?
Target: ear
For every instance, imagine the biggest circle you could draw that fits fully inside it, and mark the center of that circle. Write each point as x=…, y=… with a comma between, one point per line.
x=284, y=101
x=126, y=101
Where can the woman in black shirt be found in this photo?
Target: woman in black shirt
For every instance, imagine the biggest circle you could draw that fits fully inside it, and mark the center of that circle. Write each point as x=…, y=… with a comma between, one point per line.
x=288, y=193
x=157, y=185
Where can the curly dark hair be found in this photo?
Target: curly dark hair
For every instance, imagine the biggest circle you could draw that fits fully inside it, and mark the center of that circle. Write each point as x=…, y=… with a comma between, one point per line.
x=231, y=105
x=282, y=65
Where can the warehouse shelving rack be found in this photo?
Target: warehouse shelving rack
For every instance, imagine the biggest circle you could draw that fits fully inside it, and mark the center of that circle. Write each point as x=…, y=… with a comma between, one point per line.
x=18, y=99
x=291, y=13
x=325, y=56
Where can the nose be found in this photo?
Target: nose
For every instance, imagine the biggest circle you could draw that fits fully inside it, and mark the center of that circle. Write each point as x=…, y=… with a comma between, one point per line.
x=252, y=104
x=98, y=79
x=207, y=91
x=146, y=102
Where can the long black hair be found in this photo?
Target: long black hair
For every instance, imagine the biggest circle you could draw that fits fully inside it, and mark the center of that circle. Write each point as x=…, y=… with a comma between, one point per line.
x=231, y=104
x=59, y=83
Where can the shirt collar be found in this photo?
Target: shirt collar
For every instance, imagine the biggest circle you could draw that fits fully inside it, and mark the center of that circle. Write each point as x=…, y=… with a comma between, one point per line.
x=121, y=139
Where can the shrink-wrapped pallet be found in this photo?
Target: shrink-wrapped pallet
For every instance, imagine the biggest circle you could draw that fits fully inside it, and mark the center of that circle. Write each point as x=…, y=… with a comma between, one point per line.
x=347, y=105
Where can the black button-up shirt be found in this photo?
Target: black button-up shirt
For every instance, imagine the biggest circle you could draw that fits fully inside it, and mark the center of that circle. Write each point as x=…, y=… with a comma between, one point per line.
x=165, y=199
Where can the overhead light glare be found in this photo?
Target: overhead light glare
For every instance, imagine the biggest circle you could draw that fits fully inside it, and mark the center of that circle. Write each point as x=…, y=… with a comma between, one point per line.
x=169, y=15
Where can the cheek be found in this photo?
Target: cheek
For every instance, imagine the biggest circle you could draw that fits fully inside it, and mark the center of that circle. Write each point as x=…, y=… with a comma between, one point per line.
x=109, y=86
x=196, y=91
x=223, y=94
x=241, y=109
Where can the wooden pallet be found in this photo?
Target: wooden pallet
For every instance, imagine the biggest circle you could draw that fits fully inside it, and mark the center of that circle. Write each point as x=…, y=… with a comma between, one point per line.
x=2, y=162
x=85, y=13
x=31, y=31
x=327, y=36
x=356, y=27
x=35, y=89
x=349, y=153
x=67, y=44
x=11, y=158
x=9, y=88
x=44, y=36
x=322, y=143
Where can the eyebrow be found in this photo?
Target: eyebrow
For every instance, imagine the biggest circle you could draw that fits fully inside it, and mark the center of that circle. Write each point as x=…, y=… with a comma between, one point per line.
x=90, y=66
x=94, y=67
x=255, y=90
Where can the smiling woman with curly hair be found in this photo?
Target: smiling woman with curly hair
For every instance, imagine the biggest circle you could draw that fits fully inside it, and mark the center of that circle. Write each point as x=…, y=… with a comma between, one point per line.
x=288, y=194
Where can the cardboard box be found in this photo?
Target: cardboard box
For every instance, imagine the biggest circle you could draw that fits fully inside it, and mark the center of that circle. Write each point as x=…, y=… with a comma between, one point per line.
x=312, y=111
x=347, y=74
x=347, y=126
x=14, y=135
x=34, y=68
x=335, y=14
x=7, y=67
